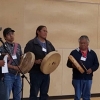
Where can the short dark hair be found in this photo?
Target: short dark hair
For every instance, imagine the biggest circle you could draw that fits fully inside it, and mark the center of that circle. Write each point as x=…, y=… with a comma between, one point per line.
x=39, y=28
x=6, y=31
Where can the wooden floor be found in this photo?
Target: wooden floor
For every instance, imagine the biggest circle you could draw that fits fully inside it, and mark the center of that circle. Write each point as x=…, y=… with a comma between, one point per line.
x=98, y=98
x=93, y=98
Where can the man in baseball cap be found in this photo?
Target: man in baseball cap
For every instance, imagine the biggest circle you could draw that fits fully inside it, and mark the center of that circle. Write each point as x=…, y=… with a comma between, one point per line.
x=12, y=79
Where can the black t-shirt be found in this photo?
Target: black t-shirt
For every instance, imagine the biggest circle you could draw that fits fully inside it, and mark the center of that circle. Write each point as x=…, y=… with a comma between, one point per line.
x=37, y=48
x=1, y=75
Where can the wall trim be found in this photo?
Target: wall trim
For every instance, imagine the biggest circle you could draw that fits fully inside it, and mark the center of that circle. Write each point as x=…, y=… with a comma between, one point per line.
x=65, y=97
x=86, y=2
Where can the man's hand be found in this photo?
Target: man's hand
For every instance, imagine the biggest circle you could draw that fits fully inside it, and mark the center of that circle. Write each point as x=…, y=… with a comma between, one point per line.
x=6, y=54
x=13, y=67
x=38, y=61
x=2, y=63
x=89, y=71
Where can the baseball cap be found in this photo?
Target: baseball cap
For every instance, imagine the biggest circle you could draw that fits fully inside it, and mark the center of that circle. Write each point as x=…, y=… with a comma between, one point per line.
x=7, y=30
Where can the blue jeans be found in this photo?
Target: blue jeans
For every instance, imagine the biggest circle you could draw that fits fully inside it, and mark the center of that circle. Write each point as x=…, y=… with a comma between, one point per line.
x=3, y=91
x=39, y=82
x=82, y=89
x=13, y=82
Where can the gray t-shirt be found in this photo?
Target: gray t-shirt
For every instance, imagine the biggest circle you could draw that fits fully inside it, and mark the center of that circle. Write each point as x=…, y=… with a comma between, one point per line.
x=43, y=45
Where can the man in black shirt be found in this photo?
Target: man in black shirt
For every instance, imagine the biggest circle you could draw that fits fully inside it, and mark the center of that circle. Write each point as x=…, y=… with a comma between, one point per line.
x=87, y=58
x=40, y=47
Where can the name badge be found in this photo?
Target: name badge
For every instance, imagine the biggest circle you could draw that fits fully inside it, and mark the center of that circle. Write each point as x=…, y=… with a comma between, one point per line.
x=83, y=58
x=14, y=56
x=43, y=49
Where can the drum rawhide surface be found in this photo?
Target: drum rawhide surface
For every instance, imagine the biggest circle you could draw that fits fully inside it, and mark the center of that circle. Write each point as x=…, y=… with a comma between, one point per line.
x=27, y=62
x=76, y=64
x=50, y=62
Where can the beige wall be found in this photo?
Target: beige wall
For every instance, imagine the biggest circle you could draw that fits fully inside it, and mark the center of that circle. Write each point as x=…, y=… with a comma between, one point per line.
x=66, y=21
x=85, y=1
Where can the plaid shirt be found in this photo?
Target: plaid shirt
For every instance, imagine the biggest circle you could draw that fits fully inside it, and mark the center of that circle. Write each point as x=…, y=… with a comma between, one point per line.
x=10, y=49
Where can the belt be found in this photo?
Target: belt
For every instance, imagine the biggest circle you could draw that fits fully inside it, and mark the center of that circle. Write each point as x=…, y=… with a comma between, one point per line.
x=13, y=72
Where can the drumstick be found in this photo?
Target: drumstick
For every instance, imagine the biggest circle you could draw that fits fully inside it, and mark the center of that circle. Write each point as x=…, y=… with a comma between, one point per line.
x=83, y=65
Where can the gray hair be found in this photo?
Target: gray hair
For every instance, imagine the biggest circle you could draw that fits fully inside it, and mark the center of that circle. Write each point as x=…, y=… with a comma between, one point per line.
x=83, y=37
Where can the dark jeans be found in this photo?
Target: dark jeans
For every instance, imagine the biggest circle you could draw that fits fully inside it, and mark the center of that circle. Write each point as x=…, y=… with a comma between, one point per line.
x=39, y=82
x=3, y=91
